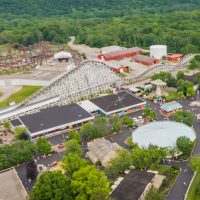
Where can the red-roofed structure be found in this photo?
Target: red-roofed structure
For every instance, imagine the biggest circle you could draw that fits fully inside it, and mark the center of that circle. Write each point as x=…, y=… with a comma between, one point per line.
x=145, y=60
x=174, y=57
x=116, y=55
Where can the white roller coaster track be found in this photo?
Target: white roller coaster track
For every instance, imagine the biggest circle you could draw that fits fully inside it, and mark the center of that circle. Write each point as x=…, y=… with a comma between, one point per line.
x=160, y=68
x=89, y=78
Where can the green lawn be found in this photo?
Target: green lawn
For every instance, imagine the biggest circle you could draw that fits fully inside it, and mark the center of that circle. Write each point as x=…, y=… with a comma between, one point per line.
x=20, y=96
x=194, y=191
x=170, y=172
x=172, y=96
x=161, y=169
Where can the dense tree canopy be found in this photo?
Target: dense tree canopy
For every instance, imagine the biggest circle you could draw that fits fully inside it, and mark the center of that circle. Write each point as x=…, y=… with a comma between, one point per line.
x=52, y=186
x=16, y=153
x=184, y=117
x=178, y=30
x=44, y=146
x=91, y=8
x=72, y=163
x=195, y=163
x=90, y=183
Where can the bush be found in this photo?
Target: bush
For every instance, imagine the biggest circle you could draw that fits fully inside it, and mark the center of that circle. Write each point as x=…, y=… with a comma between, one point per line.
x=44, y=146
x=16, y=153
x=184, y=117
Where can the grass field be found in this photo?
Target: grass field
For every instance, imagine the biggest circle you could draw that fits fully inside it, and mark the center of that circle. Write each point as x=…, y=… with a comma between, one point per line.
x=170, y=173
x=172, y=96
x=194, y=191
x=20, y=96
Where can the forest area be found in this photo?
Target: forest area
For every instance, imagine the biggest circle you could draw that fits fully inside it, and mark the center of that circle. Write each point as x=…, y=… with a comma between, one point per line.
x=101, y=23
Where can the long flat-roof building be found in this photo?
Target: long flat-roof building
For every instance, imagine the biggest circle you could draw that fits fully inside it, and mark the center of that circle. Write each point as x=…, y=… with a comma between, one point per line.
x=119, y=54
x=133, y=185
x=53, y=120
x=122, y=102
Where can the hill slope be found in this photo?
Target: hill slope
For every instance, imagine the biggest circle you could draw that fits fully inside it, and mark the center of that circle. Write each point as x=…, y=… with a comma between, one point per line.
x=91, y=8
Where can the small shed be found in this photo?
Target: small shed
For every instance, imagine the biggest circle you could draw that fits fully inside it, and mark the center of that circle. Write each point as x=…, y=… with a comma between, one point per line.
x=174, y=57
x=145, y=60
x=170, y=108
x=62, y=56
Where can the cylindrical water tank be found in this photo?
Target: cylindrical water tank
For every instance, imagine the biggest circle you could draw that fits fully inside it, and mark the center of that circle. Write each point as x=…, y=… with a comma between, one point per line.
x=158, y=51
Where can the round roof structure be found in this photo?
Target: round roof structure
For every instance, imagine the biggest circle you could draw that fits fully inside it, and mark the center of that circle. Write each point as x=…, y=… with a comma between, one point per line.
x=62, y=54
x=162, y=134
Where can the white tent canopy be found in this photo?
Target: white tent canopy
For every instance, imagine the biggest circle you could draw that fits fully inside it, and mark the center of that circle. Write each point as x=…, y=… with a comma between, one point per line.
x=62, y=55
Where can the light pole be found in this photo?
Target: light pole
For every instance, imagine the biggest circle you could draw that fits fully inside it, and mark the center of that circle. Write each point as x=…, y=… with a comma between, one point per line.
x=197, y=94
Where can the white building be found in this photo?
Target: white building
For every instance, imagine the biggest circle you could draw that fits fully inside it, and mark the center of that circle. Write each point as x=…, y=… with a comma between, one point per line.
x=62, y=56
x=158, y=51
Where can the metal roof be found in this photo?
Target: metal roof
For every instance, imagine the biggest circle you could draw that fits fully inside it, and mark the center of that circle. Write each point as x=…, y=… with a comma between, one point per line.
x=171, y=106
x=122, y=52
x=162, y=134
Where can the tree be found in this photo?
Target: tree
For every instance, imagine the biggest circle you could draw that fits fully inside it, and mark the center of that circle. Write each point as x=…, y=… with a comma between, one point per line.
x=6, y=124
x=116, y=126
x=180, y=75
x=153, y=194
x=52, y=185
x=44, y=146
x=180, y=95
x=184, y=144
x=195, y=163
x=151, y=114
x=74, y=135
x=16, y=153
x=100, y=123
x=141, y=158
x=128, y=121
x=157, y=154
x=20, y=132
x=31, y=170
x=90, y=131
x=90, y=183
x=72, y=146
x=190, y=92
x=72, y=163
x=119, y=164
x=184, y=117
x=189, y=48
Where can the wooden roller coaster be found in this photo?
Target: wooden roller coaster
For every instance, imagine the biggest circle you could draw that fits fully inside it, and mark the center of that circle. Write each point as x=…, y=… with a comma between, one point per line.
x=26, y=58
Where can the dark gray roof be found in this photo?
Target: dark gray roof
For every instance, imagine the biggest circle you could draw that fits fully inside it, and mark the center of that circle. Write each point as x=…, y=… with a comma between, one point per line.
x=53, y=117
x=16, y=122
x=116, y=101
x=133, y=185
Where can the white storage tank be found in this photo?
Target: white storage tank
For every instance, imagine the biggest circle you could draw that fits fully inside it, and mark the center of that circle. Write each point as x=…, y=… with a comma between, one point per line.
x=158, y=51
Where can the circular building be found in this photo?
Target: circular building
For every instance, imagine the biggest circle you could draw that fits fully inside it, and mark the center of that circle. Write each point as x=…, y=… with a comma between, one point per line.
x=162, y=134
x=158, y=51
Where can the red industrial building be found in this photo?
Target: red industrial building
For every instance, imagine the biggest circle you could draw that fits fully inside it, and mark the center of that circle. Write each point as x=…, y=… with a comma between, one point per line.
x=119, y=54
x=174, y=57
x=145, y=60
x=119, y=69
